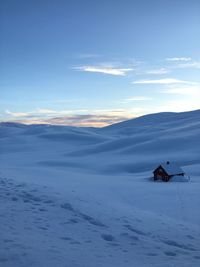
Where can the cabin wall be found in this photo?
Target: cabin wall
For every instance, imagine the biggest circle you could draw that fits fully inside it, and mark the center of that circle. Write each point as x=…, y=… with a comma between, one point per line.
x=160, y=174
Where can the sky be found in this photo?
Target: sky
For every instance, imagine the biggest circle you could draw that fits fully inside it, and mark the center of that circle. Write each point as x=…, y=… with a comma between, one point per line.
x=94, y=63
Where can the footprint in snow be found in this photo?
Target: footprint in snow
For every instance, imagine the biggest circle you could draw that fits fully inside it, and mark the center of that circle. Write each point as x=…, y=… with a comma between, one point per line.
x=14, y=199
x=170, y=253
x=92, y=220
x=178, y=245
x=66, y=238
x=67, y=206
x=43, y=228
x=43, y=209
x=108, y=237
x=132, y=237
x=129, y=227
x=152, y=254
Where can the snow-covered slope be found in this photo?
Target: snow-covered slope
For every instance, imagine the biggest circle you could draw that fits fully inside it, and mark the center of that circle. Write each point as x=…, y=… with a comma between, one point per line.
x=82, y=196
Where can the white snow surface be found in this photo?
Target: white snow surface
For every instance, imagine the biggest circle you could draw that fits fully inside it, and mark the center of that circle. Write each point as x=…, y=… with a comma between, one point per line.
x=84, y=197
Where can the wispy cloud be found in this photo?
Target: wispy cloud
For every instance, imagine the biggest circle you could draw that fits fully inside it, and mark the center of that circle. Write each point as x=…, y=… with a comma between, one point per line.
x=183, y=90
x=177, y=59
x=43, y=113
x=183, y=62
x=179, y=105
x=105, y=70
x=136, y=98
x=95, y=118
x=17, y=114
x=192, y=65
x=163, y=81
x=158, y=71
x=89, y=120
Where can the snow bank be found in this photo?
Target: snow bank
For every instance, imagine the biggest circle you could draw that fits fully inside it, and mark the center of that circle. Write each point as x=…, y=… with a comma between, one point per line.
x=178, y=178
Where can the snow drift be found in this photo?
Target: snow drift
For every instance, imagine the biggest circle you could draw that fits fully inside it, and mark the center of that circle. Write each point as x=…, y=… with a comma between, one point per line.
x=82, y=196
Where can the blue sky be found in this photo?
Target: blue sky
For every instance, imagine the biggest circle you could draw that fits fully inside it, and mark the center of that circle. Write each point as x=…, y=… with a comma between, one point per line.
x=97, y=62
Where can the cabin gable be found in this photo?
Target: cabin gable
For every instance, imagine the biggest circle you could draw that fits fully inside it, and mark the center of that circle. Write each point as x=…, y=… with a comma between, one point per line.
x=161, y=174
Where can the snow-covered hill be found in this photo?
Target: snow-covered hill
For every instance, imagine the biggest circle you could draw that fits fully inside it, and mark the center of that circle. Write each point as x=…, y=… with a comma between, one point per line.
x=82, y=197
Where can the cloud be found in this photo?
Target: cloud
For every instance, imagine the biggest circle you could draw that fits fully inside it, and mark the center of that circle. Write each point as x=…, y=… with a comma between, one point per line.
x=180, y=105
x=179, y=59
x=192, y=65
x=163, y=81
x=95, y=118
x=137, y=98
x=45, y=111
x=42, y=113
x=183, y=90
x=105, y=70
x=184, y=62
x=158, y=71
x=89, y=120
x=17, y=114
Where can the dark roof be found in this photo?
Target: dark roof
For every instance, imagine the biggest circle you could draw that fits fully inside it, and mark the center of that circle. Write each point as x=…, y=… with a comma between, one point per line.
x=171, y=168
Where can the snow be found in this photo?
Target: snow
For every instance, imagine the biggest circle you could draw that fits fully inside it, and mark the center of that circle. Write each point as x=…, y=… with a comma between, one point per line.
x=171, y=168
x=83, y=197
x=178, y=178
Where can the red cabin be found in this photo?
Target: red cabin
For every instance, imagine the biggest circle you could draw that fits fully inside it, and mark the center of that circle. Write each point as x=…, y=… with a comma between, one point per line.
x=167, y=170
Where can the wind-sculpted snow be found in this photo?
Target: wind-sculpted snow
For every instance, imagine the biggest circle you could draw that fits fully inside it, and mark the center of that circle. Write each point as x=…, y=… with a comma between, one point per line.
x=164, y=120
x=74, y=137
x=137, y=144
x=85, y=196
x=143, y=146
x=117, y=222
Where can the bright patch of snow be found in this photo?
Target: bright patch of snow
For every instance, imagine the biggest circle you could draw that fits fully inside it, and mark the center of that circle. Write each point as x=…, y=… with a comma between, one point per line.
x=178, y=178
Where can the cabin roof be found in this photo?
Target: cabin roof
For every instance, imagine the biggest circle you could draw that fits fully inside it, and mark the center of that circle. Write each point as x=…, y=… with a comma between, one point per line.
x=171, y=168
